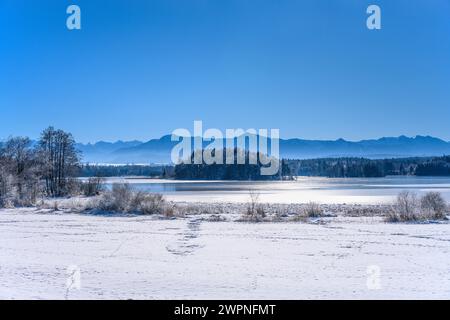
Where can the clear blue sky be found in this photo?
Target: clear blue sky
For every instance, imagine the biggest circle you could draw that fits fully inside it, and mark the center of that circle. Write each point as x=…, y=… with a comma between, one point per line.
x=139, y=69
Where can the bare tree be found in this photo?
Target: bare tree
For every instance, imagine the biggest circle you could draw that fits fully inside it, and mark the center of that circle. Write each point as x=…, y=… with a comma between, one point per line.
x=60, y=160
x=23, y=166
x=19, y=172
x=255, y=210
x=7, y=189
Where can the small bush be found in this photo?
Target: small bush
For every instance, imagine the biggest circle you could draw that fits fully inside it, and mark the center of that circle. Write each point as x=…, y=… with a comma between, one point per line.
x=309, y=210
x=433, y=205
x=169, y=211
x=255, y=210
x=300, y=217
x=313, y=210
x=149, y=203
x=216, y=218
x=93, y=186
x=123, y=199
x=405, y=208
x=118, y=199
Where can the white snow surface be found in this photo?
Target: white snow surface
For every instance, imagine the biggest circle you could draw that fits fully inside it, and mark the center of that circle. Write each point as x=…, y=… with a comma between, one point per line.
x=141, y=257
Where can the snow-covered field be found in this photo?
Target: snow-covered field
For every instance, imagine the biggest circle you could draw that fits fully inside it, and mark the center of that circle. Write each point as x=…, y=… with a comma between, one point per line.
x=71, y=256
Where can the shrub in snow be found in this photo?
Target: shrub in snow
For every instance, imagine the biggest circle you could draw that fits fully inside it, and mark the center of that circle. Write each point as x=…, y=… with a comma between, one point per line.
x=255, y=210
x=122, y=198
x=93, y=186
x=407, y=207
x=148, y=203
x=313, y=210
x=118, y=199
x=308, y=210
x=216, y=218
x=433, y=205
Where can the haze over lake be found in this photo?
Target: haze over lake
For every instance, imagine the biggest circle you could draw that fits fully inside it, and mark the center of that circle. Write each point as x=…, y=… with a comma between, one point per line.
x=304, y=189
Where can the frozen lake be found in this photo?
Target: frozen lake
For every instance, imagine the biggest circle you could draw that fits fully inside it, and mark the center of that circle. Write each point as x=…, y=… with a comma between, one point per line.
x=304, y=189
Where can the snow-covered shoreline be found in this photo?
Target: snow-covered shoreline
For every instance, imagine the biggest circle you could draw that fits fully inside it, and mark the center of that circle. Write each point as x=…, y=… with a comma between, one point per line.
x=191, y=257
x=229, y=211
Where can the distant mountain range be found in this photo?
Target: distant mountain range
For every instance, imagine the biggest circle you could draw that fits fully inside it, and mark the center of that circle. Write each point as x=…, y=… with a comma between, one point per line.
x=158, y=150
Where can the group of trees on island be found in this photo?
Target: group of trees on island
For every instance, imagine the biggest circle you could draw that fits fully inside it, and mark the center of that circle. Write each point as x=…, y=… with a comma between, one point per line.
x=224, y=171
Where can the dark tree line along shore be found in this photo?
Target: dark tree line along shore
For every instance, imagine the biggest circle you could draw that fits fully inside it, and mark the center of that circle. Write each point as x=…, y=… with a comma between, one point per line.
x=323, y=167
x=366, y=168
x=89, y=170
x=434, y=167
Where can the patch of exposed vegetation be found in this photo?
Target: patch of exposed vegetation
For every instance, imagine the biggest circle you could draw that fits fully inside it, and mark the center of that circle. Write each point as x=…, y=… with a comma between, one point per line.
x=122, y=198
x=409, y=208
x=254, y=211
